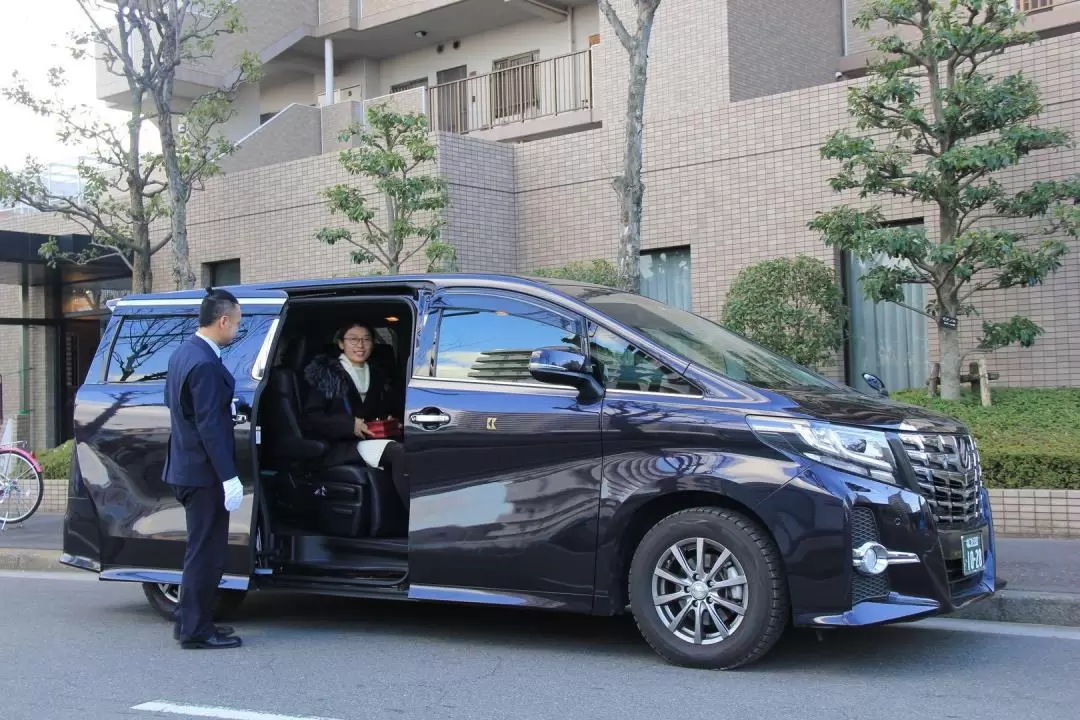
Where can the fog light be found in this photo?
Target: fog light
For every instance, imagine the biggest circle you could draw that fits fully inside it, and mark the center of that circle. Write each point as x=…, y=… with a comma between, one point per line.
x=872, y=558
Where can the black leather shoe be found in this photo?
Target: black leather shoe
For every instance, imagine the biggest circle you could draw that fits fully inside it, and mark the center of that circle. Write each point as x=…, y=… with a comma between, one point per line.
x=214, y=642
x=222, y=630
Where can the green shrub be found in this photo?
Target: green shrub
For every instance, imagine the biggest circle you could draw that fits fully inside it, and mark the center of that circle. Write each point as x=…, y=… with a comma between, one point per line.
x=1028, y=438
x=56, y=462
x=596, y=272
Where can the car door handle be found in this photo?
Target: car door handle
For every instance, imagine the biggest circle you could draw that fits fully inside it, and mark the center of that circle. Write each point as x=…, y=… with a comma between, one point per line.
x=430, y=417
x=239, y=411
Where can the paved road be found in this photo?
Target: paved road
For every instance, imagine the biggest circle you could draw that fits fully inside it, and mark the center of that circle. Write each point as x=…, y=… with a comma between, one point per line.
x=78, y=649
x=1039, y=565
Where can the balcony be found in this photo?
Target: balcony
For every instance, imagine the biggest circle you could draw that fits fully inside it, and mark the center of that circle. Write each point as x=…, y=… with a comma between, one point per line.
x=524, y=98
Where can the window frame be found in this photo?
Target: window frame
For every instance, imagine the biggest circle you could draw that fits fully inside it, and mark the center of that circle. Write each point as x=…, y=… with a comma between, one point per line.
x=497, y=301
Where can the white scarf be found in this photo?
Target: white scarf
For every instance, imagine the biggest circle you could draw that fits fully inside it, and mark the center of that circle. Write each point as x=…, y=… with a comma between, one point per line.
x=359, y=374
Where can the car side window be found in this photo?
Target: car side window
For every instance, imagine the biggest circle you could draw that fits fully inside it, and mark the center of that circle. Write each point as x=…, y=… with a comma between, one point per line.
x=494, y=345
x=618, y=365
x=144, y=345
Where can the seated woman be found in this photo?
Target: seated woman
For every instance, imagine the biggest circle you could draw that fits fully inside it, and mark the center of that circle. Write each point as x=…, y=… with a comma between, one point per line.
x=344, y=393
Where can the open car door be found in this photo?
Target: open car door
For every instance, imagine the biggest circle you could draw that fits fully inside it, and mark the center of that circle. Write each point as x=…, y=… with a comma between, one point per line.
x=123, y=519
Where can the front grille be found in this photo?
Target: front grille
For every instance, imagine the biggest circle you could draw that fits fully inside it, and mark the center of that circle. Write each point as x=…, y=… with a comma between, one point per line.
x=949, y=473
x=864, y=529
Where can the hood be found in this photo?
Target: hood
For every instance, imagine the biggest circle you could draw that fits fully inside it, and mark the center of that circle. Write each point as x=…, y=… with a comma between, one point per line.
x=853, y=408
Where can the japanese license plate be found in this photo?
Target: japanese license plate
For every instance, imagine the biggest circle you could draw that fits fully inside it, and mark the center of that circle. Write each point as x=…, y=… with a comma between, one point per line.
x=971, y=548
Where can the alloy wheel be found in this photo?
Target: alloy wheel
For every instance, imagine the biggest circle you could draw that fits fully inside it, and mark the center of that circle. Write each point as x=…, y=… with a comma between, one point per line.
x=700, y=591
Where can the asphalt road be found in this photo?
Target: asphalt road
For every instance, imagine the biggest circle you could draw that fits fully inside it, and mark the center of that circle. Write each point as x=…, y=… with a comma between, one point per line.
x=75, y=648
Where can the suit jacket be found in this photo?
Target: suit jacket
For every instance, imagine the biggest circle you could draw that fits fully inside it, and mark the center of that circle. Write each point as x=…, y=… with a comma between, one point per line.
x=332, y=404
x=199, y=394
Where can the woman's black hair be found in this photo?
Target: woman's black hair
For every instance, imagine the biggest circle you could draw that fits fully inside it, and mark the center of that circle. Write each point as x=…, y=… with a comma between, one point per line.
x=339, y=336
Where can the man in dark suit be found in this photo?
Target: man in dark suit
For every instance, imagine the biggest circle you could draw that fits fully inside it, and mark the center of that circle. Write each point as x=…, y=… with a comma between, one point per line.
x=201, y=465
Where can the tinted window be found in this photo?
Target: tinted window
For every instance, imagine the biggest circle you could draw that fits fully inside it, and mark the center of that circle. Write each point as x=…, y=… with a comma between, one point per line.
x=618, y=365
x=495, y=345
x=145, y=344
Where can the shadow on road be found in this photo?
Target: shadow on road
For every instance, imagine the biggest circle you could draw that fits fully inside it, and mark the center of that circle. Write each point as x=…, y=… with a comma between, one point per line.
x=864, y=651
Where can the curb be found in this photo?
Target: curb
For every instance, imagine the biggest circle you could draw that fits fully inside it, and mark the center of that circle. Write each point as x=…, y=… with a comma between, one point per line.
x=29, y=559
x=1025, y=606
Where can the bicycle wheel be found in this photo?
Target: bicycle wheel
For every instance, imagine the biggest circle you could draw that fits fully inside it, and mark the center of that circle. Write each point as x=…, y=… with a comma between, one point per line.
x=22, y=487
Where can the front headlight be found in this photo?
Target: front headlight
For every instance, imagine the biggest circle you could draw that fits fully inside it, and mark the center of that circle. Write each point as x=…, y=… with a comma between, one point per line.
x=853, y=450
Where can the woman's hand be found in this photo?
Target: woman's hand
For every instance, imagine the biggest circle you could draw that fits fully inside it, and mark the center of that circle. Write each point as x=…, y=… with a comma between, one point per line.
x=360, y=429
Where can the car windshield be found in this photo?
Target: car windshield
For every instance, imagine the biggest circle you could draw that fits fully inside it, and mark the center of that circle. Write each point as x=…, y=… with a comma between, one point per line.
x=701, y=341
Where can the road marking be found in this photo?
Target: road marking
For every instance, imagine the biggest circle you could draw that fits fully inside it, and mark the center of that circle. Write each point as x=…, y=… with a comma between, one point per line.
x=990, y=627
x=161, y=706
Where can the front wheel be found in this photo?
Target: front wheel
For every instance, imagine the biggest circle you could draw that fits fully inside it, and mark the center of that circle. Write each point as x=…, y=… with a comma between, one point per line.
x=163, y=597
x=707, y=589
x=22, y=486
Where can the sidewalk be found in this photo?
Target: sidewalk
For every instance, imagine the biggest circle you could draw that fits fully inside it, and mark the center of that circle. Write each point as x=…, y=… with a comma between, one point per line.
x=1043, y=576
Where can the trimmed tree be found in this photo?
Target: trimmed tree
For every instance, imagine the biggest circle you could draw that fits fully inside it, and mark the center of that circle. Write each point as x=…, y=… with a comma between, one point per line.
x=391, y=154
x=943, y=127
x=794, y=307
x=628, y=184
x=145, y=44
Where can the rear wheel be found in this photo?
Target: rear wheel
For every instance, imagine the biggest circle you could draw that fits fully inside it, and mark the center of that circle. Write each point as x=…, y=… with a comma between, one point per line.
x=22, y=487
x=163, y=597
x=707, y=589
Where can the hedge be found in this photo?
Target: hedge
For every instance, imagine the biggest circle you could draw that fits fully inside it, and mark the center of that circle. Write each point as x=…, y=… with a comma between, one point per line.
x=56, y=462
x=1027, y=438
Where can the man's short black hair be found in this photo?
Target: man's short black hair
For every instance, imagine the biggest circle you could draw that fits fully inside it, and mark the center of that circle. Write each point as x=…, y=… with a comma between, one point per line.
x=217, y=302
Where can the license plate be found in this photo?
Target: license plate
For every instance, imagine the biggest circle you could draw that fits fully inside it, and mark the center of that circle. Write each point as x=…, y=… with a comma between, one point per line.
x=972, y=548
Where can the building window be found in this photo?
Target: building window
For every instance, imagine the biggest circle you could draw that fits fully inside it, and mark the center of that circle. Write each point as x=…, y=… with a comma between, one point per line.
x=1034, y=5
x=514, y=84
x=665, y=276
x=885, y=339
x=410, y=85
x=218, y=274
x=496, y=346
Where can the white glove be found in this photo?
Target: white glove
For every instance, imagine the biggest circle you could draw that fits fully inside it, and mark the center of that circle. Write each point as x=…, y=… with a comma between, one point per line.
x=234, y=494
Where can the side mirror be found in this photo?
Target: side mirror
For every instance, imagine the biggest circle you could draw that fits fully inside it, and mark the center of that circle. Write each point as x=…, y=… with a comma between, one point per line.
x=876, y=384
x=557, y=366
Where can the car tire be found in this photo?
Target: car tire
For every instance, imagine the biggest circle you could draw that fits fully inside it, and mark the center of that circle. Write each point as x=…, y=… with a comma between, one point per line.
x=163, y=600
x=666, y=600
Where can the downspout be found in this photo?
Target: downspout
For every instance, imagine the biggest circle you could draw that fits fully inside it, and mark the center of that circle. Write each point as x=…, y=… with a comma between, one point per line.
x=570, y=29
x=844, y=23
x=328, y=69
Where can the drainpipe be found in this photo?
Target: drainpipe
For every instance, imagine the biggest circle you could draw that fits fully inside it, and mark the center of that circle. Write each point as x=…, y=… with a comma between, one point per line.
x=570, y=28
x=328, y=59
x=844, y=22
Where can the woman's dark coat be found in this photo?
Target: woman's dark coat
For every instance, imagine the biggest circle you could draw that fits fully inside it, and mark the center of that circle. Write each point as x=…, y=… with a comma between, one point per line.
x=332, y=403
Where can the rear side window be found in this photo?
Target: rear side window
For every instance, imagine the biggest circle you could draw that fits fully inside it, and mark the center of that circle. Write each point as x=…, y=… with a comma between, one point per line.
x=144, y=345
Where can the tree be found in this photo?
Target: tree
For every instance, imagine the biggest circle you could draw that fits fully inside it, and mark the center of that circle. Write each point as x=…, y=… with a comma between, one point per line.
x=628, y=185
x=147, y=42
x=122, y=194
x=794, y=307
x=390, y=152
x=950, y=126
x=596, y=272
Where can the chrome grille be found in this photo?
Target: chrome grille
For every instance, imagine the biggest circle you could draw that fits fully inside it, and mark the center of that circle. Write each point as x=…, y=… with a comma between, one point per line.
x=949, y=472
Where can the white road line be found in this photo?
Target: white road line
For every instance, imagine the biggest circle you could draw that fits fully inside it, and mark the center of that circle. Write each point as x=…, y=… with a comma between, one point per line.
x=161, y=706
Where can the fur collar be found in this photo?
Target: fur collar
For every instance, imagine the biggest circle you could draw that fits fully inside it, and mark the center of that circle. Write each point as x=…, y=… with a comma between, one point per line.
x=325, y=374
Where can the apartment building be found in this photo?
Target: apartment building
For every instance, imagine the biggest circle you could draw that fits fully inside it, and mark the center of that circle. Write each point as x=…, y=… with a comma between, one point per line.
x=526, y=99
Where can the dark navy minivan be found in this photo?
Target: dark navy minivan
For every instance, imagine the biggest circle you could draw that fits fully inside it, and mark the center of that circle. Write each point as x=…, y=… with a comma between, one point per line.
x=568, y=446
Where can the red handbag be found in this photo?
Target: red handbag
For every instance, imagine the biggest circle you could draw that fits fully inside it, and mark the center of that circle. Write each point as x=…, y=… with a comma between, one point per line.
x=384, y=429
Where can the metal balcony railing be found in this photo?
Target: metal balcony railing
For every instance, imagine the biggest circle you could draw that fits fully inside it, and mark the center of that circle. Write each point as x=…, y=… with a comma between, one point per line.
x=1034, y=5
x=513, y=94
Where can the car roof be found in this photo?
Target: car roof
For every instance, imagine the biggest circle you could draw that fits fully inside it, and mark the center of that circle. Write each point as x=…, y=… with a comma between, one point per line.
x=571, y=288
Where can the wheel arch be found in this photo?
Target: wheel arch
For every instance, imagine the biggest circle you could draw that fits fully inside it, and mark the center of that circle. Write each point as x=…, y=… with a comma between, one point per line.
x=643, y=517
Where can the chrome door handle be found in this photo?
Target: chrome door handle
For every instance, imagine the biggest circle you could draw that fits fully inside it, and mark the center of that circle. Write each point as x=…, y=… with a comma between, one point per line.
x=430, y=418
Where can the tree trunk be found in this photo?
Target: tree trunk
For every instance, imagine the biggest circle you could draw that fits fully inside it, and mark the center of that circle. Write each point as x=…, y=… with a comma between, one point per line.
x=628, y=185
x=142, y=277
x=183, y=275
x=949, y=351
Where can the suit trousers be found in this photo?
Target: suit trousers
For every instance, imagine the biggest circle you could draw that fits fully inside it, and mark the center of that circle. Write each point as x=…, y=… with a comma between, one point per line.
x=204, y=560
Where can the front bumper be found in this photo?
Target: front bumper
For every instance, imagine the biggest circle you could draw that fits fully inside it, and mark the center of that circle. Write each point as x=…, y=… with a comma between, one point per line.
x=934, y=585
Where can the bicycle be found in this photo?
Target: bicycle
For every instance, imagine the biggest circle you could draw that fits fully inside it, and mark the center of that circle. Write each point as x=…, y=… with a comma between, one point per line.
x=20, y=475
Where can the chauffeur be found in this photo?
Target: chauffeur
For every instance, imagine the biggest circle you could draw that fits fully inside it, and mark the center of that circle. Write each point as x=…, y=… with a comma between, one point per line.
x=201, y=465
